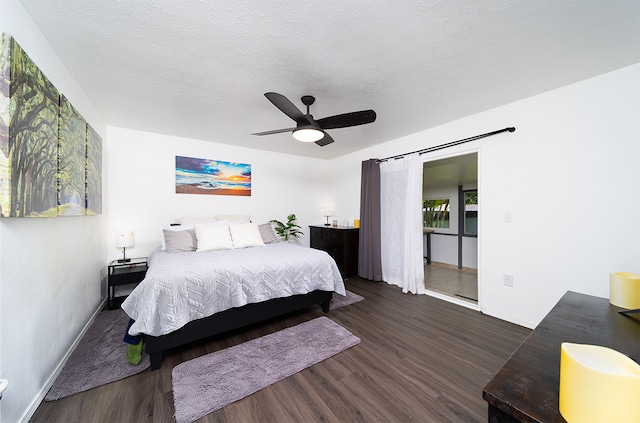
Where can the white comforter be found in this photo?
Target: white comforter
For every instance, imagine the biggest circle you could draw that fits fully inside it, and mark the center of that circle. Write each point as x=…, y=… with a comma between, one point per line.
x=185, y=286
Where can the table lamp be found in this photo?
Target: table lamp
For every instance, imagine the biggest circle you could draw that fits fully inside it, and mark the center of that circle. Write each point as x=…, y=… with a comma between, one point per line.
x=124, y=239
x=327, y=212
x=624, y=291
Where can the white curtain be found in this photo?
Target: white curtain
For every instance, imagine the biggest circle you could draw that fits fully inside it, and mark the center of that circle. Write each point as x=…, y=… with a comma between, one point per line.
x=401, y=221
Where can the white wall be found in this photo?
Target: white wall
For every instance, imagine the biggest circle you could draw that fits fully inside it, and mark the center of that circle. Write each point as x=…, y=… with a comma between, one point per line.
x=469, y=252
x=50, y=269
x=444, y=249
x=569, y=177
x=142, y=197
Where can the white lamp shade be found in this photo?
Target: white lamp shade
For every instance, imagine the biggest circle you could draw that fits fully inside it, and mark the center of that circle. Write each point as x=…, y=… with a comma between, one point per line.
x=327, y=211
x=125, y=239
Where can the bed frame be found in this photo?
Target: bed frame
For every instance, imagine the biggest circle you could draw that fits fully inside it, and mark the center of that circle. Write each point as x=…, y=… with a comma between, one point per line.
x=231, y=319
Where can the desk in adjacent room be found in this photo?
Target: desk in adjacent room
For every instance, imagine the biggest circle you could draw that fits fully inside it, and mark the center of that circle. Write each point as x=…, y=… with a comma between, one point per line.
x=526, y=388
x=428, y=233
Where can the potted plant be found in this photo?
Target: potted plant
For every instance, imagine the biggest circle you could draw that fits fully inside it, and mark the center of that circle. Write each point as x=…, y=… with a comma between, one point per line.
x=288, y=230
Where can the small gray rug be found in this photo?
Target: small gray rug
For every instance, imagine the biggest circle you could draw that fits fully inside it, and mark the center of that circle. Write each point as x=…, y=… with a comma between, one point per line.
x=99, y=358
x=340, y=301
x=208, y=383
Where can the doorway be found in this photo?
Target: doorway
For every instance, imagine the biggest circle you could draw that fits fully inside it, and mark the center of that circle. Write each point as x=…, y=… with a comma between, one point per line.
x=450, y=221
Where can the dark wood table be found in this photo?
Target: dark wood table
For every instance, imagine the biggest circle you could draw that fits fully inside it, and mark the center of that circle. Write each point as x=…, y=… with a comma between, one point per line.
x=526, y=388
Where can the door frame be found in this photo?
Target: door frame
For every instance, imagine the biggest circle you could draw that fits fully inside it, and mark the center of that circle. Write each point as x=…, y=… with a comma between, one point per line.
x=437, y=156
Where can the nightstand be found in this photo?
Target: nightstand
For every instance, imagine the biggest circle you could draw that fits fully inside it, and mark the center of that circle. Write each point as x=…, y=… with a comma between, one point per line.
x=341, y=243
x=131, y=272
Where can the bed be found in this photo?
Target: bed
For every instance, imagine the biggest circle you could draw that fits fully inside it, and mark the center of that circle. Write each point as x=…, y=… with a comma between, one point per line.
x=191, y=295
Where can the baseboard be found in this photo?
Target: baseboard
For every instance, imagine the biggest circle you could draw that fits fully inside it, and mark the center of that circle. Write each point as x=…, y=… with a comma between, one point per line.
x=43, y=392
x=453, y=300
x=510, y=319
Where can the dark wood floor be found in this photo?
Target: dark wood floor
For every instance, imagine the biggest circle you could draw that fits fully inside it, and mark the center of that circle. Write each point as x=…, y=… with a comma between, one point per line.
x=420, y=360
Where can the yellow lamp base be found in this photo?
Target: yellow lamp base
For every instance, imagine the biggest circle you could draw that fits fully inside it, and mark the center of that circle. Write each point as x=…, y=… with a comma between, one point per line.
x=598, y=384
x=624, y=290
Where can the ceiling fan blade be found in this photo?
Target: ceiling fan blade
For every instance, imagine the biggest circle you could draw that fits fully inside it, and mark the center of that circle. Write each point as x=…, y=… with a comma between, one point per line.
x=275, y=131
x=286, y=106
x=347, y=119
x=325, y=140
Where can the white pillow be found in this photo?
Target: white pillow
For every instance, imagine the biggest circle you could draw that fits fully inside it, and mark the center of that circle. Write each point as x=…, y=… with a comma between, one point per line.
x=234, y=217
x=213, y=237
x=246, y=235
x=172, y=228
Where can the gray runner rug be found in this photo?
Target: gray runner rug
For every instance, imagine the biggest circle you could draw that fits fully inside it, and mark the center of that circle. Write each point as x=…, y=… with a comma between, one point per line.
x=208, y=383
x=340, y=301
x=99, y=358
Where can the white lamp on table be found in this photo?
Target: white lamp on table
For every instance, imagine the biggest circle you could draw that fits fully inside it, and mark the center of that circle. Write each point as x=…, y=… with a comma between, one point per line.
x=327, y=212
x=124, y=240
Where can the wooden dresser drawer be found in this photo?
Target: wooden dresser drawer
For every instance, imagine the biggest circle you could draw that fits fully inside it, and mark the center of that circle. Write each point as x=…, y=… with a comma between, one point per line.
x=341, y=243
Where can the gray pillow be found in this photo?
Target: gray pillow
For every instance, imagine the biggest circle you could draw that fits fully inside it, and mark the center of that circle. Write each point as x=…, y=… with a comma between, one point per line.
x=267, y=233
x=180, y=240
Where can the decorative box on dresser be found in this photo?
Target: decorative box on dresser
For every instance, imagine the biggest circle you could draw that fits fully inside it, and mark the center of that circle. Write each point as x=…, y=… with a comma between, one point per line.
x=341, y=243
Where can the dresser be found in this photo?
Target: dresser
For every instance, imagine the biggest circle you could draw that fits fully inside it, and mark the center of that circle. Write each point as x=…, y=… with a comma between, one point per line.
x=341, y=243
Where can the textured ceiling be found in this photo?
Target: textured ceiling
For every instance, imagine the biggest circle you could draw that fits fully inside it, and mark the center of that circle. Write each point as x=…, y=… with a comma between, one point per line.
x=459, y=170
x=199, y=69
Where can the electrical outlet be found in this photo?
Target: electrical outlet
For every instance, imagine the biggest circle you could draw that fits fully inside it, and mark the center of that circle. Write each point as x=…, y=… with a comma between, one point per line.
x=507, y=216
x=507, y=280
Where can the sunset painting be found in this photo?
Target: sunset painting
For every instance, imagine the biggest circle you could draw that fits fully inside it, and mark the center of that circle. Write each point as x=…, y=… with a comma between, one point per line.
x=212, y=177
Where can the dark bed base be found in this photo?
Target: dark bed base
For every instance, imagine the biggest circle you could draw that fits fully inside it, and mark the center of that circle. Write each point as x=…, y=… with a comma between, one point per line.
x=231, y=319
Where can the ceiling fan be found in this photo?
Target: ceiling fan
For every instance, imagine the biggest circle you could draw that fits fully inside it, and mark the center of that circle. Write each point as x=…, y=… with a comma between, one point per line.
x=307, y=128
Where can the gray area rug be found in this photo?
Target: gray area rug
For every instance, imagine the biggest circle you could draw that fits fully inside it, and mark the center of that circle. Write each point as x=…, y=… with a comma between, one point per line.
x=339, y=301
x=99, y=358
x=208, y=383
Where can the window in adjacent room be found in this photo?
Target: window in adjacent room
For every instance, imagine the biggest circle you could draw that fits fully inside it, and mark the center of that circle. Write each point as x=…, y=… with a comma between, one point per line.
x=436, y=213
x=471, y=212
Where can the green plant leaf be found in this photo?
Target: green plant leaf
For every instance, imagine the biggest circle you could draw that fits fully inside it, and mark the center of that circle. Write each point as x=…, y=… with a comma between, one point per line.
x=288, y=230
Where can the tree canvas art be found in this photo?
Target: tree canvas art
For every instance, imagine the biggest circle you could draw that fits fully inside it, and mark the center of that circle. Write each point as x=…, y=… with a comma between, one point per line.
x=50, y=158
x=28, y=136
x=94, y=172
x=72, y=154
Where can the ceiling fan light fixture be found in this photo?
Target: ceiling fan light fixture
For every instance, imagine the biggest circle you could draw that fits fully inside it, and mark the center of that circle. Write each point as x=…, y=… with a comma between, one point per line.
x=307, y=128
x=308, y=134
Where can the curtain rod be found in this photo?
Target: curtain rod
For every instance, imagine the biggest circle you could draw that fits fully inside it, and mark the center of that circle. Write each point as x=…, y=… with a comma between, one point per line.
x=449, y=144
